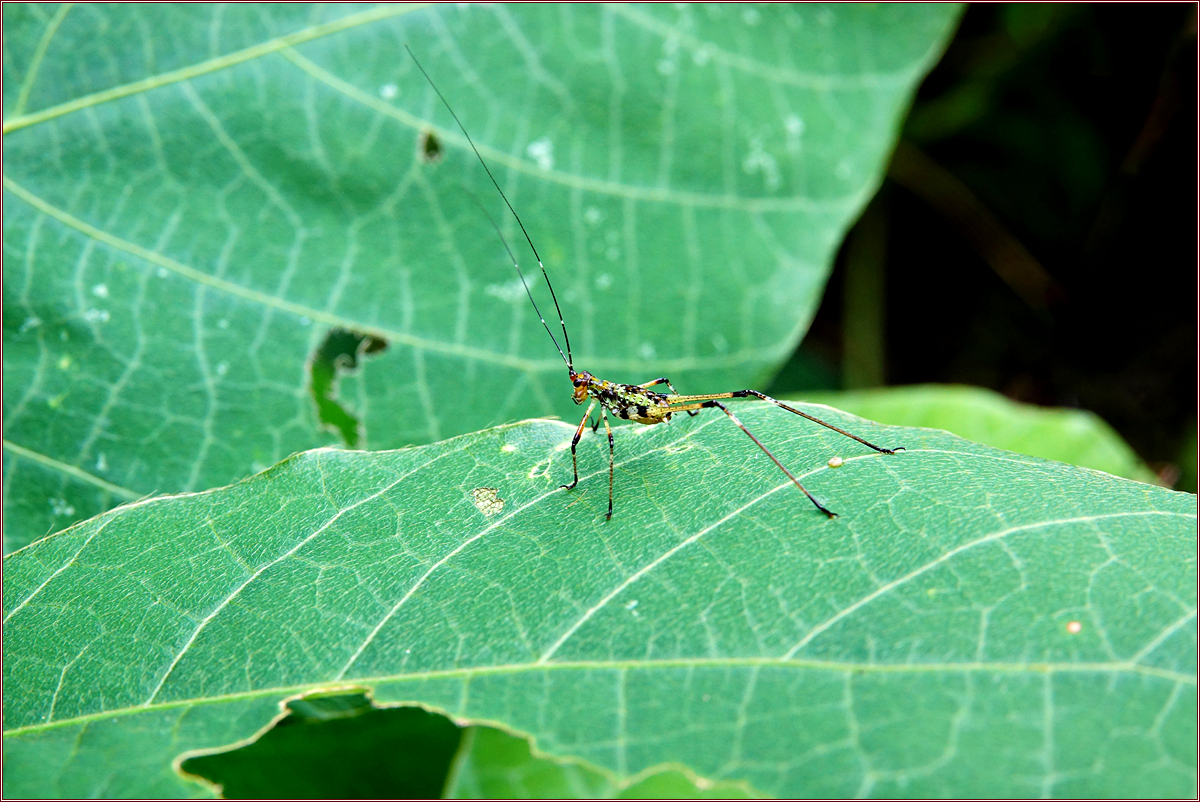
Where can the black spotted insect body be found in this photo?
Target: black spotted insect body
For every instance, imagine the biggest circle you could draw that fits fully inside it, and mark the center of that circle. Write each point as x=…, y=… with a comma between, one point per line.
x=632, y=402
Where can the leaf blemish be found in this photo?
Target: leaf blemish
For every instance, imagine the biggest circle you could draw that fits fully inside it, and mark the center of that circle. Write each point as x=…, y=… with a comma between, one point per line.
x=542, y=152
x=512, y=291
x=487, y=500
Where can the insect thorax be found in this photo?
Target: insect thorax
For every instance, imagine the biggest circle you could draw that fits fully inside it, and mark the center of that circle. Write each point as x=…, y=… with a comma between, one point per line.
x=629, y=401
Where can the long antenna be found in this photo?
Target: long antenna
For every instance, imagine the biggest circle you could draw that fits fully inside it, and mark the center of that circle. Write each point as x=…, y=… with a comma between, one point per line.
x=504, y=242
x=567, y=358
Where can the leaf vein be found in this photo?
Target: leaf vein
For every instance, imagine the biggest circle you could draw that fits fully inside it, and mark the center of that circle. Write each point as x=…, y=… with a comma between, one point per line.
x=941, y=559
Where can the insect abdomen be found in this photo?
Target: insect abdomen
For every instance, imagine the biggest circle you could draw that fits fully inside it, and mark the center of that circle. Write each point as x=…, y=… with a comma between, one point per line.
x=642, y=414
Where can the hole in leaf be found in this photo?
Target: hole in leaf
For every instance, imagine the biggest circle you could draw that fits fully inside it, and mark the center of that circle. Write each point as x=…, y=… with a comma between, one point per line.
x=429, y=147
x=338, y=746
x=337, y=356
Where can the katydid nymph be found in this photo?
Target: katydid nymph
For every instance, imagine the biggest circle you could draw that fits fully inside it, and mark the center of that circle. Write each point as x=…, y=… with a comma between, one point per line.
x=632, y=402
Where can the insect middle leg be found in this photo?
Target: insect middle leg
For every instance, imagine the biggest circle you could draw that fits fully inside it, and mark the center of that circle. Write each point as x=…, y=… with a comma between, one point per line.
x=611, y=456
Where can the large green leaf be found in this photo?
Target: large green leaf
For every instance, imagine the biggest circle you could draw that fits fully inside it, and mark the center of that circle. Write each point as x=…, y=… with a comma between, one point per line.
x=197, y=196
x=496, y=765
x=1077, y=436
x=975, y=623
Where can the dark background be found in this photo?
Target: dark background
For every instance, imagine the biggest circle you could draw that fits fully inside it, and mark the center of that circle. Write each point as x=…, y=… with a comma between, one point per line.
x=1036, y=234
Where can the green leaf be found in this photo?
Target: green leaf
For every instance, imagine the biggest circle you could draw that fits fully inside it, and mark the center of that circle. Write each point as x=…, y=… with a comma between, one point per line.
x=1076, y=436
x=498, y=765
x=197, y=195
x=976, y=622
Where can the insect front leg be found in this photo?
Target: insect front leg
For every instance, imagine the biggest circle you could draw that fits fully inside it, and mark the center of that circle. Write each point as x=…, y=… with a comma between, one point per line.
x=575, y=442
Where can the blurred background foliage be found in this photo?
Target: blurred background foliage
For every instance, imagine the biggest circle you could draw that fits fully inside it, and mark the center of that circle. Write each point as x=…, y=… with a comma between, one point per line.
x=1036, y=234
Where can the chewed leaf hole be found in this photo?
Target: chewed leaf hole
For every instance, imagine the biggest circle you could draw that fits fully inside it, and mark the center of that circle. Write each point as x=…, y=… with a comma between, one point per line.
x=338, y=355
x=339, y=744
x=429, y=147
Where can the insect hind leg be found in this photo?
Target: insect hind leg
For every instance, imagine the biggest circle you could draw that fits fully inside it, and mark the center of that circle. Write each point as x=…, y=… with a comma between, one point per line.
x=829, y=513
x=664, y=380
x=780, y=404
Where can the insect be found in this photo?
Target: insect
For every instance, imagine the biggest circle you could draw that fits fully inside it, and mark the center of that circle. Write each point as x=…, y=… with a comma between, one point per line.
x=633, y=402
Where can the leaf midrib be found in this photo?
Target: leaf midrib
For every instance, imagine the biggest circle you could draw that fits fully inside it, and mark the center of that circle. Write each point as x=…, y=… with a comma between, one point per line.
x=278, y=692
